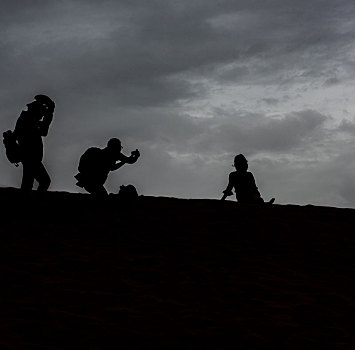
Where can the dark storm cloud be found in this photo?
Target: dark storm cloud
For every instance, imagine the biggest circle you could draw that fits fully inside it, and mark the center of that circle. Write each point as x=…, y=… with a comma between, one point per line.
x=145, y=43
x=347, y=126
x=271, y=101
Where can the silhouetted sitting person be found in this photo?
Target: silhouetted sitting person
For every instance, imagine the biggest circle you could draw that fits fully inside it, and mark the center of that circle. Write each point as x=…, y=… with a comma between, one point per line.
x=30, y=127
x=96, y=163
x=243, y=183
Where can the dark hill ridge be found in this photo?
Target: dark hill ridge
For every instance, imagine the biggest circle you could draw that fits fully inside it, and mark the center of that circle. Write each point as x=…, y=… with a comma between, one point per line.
x=173, y=274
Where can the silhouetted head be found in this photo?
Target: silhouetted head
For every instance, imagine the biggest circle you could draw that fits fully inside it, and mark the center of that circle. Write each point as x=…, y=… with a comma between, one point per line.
x=47, y=104
x=114, y=146
x=240, y=163
x=36, y=109
x=43, y=99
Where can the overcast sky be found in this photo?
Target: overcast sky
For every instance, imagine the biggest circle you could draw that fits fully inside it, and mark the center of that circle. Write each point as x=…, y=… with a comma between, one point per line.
x=190, y=84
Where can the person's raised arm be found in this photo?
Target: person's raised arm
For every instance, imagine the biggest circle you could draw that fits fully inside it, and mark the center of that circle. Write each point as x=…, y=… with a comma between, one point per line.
x=117, y=165
x=126, y=160
x=47, y=118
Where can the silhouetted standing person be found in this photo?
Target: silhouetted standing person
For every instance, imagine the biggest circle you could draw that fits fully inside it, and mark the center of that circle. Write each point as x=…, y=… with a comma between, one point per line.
x=96, y=163
x=31, y=126
x=243, y=183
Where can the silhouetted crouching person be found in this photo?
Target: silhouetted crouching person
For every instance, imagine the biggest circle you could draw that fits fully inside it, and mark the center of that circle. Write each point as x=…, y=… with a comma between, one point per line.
x=30, y=127
x=96, y=163
x=243, y=183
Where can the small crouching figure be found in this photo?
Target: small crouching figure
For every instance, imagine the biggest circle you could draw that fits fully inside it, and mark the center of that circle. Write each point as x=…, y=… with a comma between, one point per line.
x=243, y=183
x=96, y=163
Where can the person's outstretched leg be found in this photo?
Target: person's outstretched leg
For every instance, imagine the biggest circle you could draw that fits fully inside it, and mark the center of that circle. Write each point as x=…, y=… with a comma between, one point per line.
x=42, y=178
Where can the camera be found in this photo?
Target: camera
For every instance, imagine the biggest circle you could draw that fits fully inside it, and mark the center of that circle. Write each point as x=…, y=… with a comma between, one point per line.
x=135, y=153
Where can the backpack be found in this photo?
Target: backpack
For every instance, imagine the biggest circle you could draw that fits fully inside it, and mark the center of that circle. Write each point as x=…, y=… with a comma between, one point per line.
x=128, y=192
x=89, y=160
x=12, y=148
x=88, y=164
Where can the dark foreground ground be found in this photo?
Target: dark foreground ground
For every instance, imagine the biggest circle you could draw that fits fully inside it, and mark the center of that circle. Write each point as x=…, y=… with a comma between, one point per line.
x=164, y=273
